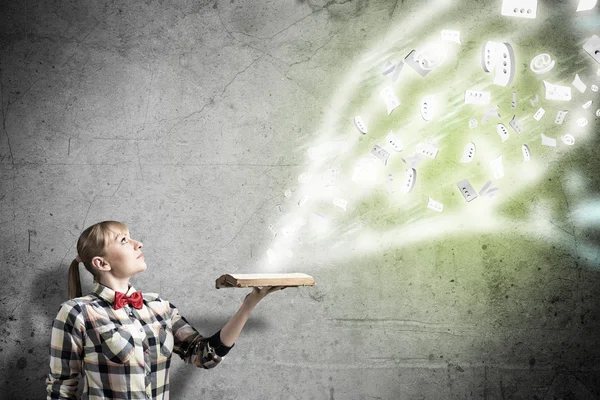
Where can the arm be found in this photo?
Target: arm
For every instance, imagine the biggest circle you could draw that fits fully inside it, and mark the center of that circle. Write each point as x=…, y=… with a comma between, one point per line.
x=232, y=329
x=203, y=352
x=66, y=352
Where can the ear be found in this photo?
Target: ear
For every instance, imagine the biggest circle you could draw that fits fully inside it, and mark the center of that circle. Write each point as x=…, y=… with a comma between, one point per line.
x=100, y=264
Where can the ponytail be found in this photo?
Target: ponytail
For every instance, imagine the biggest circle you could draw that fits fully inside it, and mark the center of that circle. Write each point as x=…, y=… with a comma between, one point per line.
x=74, y=282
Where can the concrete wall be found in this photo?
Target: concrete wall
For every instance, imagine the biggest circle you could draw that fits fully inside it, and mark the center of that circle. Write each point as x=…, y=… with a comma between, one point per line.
x=188, y=120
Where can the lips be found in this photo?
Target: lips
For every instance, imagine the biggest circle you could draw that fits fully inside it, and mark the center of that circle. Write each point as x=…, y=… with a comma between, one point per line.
x=141, y=255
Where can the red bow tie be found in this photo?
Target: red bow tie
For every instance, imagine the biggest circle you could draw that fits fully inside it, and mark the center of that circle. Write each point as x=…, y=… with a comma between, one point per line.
x=136, y=300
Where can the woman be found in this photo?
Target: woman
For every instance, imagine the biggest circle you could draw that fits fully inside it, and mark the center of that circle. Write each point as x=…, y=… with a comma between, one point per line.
x=122, y=340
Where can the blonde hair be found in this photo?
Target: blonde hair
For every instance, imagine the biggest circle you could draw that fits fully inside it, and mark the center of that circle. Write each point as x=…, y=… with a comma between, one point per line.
x=91, y=243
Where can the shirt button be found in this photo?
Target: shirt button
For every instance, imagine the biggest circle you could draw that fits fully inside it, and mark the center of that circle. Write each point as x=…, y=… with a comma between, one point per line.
x=141, y=330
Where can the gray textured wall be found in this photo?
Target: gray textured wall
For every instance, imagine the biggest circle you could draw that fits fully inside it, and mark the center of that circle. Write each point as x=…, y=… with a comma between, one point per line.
x=187, y=121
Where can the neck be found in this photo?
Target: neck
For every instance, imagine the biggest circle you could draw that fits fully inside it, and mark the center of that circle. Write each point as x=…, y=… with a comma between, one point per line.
x=116, y=284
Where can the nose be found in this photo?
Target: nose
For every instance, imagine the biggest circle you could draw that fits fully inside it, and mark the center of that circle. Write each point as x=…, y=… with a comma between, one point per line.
x=139, y=244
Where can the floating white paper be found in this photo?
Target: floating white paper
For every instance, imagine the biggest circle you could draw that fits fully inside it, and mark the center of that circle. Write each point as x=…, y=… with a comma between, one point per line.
x=388, y=67
x=578, y=83
x=435, y=205
x=592, y=46
x=515, y=124
x=410, y=178
x=499, y=58
x=594, y=88
x=560, y=116
x=394, y=141
x=360, y=124
x=488, y=56
x=273, y=229
x=380, y=154
x=585, y=5
x=468, y=153
x=425, y=59
x=533, y=102
x=466, y=190
x=546, y=141
x=287, y=193
x=587, y=104
x=542, y=63
x=477, y=97
x=539, y=114
x=472, y=122
x=526, y=152
x=397, y=70
x=451, y=36
x=514, y=100
x=390, y=99
x=556, y=92
x=568, y=139
x=389, y=182
x=488, y=190
x=427, y=108
x=581, y=122
x=428, y=150
x=598, y=112
x=492, y=112
x=329, y=178
x=502, y=132
x=519, y=8
x=413, y=160
x=304, y=177
x=497, y=167
x=360, y=168
x=341, y=203
x=302, y=201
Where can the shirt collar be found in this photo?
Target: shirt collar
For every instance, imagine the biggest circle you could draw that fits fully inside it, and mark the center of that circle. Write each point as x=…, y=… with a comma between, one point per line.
x=108, y=294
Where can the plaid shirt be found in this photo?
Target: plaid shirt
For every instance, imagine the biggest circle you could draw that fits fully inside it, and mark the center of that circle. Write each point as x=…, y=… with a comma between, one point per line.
x=125, y=353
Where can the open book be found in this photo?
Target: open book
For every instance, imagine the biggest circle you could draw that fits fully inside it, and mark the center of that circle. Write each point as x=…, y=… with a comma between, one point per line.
x=252, y=280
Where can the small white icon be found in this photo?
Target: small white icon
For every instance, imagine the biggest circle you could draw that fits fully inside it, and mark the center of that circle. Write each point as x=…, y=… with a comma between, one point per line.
x=503, y=132
x=360, y=124
x=539, y=114
x=519, y=8
x=526, y=152
x=468, y=153
x=451, y=36
x=477, y=97
x=542, y=63
x=546, y=141
x=556, y=92
x=568, y=139
x=435, y=205
x=497, y=167
x=390, y=99
x=466, y=189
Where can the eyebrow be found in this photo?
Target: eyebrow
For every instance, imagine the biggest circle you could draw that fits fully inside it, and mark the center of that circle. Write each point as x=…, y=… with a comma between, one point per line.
x=117, y=237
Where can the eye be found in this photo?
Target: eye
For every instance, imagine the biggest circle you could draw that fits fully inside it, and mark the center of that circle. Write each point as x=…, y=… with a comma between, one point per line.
x=123, y=239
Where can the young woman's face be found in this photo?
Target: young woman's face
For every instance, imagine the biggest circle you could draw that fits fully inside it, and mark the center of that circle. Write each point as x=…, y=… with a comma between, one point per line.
x=124, y=255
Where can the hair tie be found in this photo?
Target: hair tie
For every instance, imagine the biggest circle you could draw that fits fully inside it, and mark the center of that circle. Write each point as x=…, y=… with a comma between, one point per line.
x=77, y=258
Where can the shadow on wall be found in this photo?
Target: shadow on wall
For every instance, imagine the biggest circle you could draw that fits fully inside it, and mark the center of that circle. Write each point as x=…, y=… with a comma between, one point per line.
x=26, y=359
x=183, y=375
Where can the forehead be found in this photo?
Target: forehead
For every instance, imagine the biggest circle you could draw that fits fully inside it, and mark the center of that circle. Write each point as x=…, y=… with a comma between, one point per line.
x=116, y=233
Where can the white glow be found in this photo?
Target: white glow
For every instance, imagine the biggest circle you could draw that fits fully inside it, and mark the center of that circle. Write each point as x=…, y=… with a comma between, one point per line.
x=585, y=5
